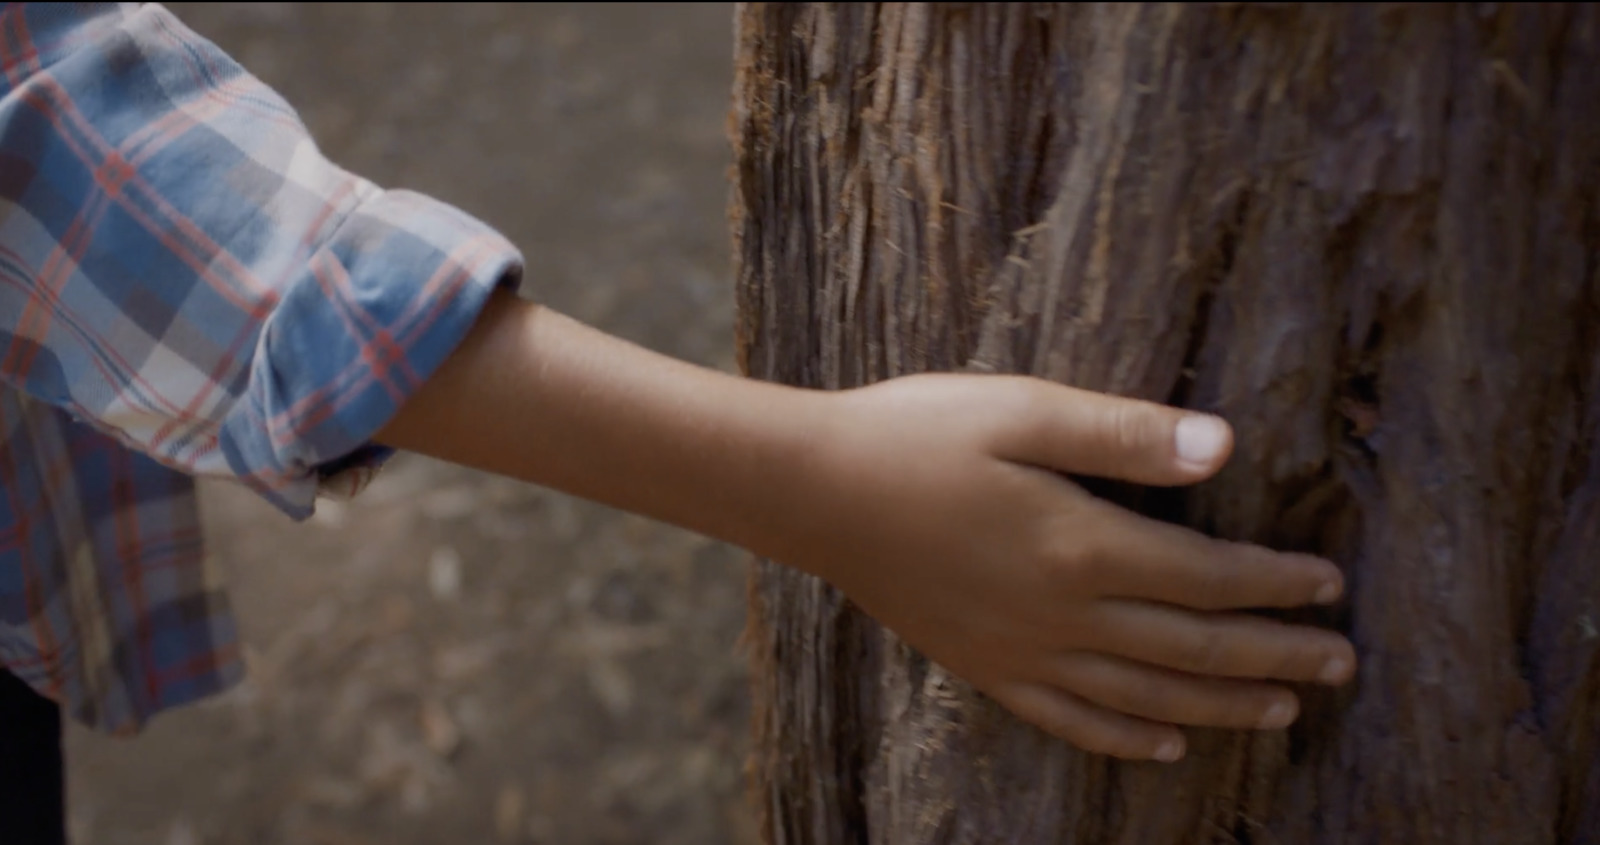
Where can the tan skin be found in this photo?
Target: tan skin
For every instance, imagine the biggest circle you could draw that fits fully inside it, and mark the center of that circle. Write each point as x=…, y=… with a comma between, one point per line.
x=935, y=502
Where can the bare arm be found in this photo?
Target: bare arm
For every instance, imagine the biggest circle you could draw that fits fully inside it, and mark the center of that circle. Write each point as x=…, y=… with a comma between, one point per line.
x=934, y=502
x=537, y=396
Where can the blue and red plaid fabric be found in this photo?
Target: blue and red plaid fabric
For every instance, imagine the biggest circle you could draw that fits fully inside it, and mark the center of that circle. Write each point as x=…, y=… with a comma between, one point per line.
x=187, y=287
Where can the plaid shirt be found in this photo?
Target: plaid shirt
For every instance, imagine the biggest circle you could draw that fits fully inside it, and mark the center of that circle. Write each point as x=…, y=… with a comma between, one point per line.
x=187, y=287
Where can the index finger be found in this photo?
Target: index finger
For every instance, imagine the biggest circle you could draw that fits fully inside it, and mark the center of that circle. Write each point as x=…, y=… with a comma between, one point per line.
x=1143, y=558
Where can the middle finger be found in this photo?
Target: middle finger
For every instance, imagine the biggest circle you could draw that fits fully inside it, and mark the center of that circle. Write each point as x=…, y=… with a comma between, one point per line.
x=1229, y=645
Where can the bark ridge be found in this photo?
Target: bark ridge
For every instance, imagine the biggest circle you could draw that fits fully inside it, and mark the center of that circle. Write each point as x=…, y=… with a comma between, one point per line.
x=1367, y=235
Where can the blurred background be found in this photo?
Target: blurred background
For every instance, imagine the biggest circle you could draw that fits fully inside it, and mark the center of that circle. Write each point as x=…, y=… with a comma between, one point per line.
x=454, y=658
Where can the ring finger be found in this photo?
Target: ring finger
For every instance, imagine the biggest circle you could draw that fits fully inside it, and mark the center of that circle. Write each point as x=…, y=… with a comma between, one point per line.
x=1176, y=698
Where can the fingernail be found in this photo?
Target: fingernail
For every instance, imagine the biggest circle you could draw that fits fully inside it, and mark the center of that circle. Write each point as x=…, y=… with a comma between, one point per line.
x=1333, y=671
x=1327, y=593
x=1170, y=751
x=1200, y=439
x=1277, y=716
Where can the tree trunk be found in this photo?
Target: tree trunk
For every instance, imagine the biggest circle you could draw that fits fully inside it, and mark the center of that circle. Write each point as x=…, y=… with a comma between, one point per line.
x=1367, y=236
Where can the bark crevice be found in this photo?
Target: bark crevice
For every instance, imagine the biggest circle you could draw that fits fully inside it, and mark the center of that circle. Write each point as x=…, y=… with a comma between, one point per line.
x=1367, y=235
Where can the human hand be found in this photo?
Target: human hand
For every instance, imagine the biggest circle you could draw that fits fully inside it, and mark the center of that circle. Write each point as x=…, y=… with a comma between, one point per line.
x=937, y=503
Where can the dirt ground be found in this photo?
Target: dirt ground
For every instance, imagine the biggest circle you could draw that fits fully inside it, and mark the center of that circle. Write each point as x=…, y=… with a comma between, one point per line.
x=454, y=658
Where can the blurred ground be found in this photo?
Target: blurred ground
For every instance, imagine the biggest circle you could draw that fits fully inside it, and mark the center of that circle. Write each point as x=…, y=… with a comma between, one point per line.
x=453, y=658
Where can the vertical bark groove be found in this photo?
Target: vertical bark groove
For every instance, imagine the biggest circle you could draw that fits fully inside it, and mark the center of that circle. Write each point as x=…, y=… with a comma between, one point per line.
x=1365, y=234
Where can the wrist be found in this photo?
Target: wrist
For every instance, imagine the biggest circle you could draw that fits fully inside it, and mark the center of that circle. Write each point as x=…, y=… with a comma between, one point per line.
x=770, y=475
x=795, y=511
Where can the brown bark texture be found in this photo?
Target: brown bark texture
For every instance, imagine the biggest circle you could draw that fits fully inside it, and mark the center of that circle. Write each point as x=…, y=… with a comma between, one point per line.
x=1368, y=236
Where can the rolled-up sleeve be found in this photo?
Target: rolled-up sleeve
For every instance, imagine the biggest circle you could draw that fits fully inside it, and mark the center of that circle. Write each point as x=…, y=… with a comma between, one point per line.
x=181, y=267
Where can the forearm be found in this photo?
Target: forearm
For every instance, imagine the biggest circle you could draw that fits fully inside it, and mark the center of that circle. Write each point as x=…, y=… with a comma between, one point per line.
x=536, y=396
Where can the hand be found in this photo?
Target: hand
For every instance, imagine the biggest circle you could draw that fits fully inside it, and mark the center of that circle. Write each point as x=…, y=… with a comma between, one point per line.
x=939, y=508
x=935, y=502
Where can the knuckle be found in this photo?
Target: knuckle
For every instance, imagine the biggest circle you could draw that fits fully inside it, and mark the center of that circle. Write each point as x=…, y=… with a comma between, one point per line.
x=1202, y=712
x=1295, y=655
x=1298, y=661
x=1064, y=727
x=1131, y=744
x=1067, y=721
x=1141, y=696
x=1206, y=653
x=1286, y=580
x=1062, y=724
x=1086, y=564
x=1023, y=405
x=1100, y=740
x=1214, y=585
x=1131, y=427
x=1242, y=706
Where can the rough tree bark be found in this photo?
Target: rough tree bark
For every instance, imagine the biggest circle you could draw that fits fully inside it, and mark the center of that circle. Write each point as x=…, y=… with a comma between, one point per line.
x=1369, y=236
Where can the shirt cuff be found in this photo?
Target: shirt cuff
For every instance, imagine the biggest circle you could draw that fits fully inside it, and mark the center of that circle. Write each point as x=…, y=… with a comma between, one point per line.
x=381, y=304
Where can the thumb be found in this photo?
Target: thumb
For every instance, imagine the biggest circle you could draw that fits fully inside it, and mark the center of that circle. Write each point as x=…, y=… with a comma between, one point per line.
x=1105, y=436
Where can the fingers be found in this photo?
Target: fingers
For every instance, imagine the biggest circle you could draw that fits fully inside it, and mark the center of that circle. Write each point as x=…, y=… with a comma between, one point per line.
x=1143, y=558
x=1165, y=696
x=1229, y=646
x=1090, y=727
x=1097, y=434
